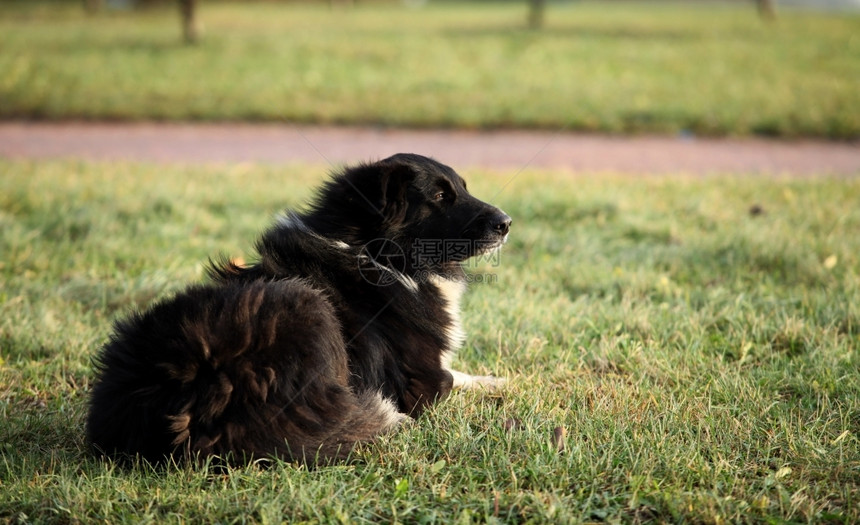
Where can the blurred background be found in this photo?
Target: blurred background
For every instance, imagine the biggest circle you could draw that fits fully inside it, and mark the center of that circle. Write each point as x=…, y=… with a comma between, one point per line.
x=706, y=68
x=694, y=340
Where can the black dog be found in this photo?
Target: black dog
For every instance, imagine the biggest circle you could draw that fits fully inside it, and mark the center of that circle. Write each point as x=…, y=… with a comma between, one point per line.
x=346, y=325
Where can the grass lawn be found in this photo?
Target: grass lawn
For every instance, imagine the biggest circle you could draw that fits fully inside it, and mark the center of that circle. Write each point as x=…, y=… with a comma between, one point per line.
x=711, y=69
x=702, y=360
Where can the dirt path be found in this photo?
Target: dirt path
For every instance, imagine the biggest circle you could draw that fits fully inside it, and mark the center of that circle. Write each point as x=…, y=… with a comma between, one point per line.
x=508, y=150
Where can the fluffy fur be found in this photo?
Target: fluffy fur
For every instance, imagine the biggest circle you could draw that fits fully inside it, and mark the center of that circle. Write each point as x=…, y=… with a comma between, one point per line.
x=346, y=325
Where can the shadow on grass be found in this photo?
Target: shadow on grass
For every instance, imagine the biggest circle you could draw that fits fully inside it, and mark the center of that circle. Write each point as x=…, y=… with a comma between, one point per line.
x=37, y=439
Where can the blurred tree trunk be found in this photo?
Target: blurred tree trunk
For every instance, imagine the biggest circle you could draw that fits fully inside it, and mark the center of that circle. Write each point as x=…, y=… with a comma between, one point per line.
x=93, y=6
x=190, y=26
x=536, y=10
x=767, y=9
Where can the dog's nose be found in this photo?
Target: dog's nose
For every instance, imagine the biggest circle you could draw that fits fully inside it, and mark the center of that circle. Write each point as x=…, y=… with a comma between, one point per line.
x=503, y=224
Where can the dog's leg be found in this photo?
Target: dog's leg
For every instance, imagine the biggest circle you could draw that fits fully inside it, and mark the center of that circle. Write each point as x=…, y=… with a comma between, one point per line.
x=469, y=382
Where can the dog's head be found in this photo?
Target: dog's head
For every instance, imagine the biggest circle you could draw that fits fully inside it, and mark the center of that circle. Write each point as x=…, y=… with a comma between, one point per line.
x=421, y=205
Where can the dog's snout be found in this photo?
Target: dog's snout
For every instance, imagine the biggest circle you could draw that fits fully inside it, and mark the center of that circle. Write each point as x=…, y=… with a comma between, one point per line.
x=502, y=223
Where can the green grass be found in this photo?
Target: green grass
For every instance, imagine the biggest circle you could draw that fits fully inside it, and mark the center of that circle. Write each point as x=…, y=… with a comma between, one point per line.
x=702, y=360
x=712, y=69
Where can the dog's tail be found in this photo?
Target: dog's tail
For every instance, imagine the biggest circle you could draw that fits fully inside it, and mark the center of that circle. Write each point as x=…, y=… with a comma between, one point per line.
x=303, y=431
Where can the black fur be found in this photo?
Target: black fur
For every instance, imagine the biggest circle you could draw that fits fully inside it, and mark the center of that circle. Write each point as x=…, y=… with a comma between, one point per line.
x=345, y=317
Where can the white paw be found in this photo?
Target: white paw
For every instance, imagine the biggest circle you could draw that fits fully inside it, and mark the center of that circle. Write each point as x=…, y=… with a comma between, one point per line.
x=469, y=382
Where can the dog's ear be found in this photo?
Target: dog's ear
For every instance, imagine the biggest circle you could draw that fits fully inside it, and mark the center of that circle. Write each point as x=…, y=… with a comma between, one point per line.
x=380, y=189
x=394, y=184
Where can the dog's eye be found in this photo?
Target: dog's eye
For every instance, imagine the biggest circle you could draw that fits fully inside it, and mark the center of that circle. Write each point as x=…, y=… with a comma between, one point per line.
x=440, y=195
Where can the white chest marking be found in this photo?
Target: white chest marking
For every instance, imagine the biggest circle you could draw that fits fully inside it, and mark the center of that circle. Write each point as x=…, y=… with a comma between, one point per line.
x=451, y=292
